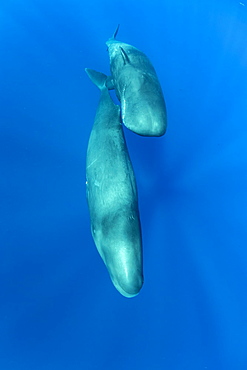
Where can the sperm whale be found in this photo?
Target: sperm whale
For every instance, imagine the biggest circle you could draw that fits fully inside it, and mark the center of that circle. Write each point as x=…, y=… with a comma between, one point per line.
x=138, y=89
x=112, y=195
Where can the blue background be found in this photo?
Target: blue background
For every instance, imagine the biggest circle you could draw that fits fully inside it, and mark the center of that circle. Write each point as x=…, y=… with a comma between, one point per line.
x=58, y=307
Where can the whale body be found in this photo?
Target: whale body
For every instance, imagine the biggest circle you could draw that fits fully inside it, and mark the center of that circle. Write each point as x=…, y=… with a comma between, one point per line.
x=112, y=195
x=138, y=89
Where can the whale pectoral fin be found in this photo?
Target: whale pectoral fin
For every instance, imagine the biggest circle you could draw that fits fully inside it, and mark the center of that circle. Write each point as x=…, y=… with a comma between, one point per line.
x=124, y=55
x=110, y=83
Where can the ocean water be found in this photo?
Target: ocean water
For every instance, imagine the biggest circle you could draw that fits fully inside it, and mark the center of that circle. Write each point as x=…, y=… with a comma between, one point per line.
x=58, y=307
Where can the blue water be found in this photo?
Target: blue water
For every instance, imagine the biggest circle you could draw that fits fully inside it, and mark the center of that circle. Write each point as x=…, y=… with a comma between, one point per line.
x=58, y=307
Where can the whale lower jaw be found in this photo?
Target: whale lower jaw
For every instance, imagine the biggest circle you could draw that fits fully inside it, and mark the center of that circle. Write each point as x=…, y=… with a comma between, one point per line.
x=129, y=289
x=124, y=293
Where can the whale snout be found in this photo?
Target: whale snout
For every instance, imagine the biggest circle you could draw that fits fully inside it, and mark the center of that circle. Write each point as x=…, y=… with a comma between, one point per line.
x=128, y=286
x=121, y=250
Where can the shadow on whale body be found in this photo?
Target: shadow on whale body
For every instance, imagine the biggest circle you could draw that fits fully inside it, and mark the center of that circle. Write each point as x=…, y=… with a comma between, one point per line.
x=112, y=196
x=138, y=89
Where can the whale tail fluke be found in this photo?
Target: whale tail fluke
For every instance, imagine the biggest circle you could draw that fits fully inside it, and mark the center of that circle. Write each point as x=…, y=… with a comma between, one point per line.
x=98, y=78
x=113, y=38
x=116, y=32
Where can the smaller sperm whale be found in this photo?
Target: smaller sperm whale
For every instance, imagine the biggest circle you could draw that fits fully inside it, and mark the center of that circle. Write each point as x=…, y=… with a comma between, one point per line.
x=112, y=195
x=138, y=89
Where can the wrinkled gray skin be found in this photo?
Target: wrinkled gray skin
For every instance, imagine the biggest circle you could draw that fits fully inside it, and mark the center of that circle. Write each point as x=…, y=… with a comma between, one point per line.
x=137, y=88
x=112, y=196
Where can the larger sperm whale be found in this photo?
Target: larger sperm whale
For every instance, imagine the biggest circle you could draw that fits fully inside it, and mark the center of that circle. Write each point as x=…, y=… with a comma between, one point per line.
x=138, y=89
x=112, y=195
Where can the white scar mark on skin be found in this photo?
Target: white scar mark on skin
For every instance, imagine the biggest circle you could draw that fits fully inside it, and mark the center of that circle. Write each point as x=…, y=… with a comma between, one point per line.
x=92, y=162
x=123, y=103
